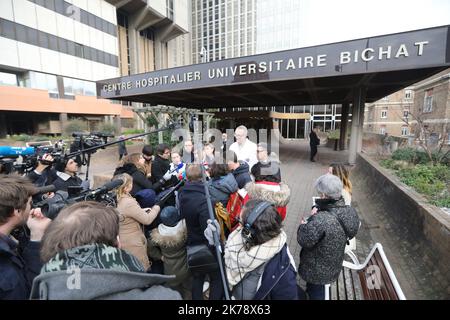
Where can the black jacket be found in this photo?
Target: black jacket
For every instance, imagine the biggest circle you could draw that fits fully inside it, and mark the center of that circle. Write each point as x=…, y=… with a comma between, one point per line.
x=45, y=178
x=122, y=148
x=278, y=281
x=313, y=139
x=63, y=184
x=242, y=174
x=323, y=239
x=17, y=271
x=194, y=209
x=140, y=182
x=159, y=168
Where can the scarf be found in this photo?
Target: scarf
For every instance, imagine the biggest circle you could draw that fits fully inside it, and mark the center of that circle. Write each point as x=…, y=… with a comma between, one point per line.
x=239, y=262
x=93, y=256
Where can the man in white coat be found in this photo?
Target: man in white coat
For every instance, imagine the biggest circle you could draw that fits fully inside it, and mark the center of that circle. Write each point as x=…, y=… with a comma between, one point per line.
x=245, y=149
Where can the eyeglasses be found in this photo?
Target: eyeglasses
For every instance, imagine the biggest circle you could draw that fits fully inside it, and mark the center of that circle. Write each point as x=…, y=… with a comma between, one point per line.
x=260, y=151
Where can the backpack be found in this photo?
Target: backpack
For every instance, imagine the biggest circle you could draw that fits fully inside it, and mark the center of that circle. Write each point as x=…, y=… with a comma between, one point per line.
x=234, y=206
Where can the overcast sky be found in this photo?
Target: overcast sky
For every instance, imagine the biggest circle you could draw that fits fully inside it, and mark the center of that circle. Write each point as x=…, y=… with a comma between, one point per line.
x=327, y=21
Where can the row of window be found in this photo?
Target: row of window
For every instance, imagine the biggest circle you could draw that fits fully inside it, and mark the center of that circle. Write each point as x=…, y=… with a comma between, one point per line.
x=405, y=130
x=49, y=82
x=69, y=10
x=19, y=32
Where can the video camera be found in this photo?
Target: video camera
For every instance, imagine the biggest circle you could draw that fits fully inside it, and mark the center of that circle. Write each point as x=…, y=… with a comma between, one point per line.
x=51, y=207
x=89, y=140
x=9, y=157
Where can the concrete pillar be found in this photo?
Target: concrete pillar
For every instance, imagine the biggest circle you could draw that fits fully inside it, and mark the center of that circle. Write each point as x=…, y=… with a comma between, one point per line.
x=3, y=131
x=344, y=126
x=63, y=121
x=361, y=126
x=357, y=110
x=161, y=124
x=117, y=124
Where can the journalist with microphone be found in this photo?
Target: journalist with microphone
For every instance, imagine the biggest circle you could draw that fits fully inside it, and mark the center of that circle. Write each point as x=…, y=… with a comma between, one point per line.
x=19, y=262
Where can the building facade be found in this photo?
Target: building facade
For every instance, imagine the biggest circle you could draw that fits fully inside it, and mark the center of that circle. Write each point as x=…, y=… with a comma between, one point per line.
x=223, y=29
x=152, y=35
x=52, y=52
x=432, y=105
x=391, y=114
x=427, y=101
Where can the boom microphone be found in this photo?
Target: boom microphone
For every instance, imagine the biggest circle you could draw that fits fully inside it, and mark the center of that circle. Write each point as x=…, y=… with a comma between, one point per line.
x=46, y=189
x=106, y=187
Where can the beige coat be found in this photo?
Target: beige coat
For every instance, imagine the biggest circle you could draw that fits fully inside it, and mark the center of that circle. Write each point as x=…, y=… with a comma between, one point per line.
x=131, y=234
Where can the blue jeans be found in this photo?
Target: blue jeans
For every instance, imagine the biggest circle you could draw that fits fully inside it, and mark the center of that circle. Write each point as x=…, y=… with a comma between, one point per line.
x=315, y=291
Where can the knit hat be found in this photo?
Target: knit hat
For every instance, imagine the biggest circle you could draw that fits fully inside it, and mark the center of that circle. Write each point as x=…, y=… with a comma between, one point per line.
x=146, y=198
x=60, y=164
x=169, y=216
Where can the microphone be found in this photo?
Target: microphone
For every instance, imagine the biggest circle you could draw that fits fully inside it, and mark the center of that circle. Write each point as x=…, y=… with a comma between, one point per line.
x=179, y=166
x=6, y=151
x=40, y=194
x=107, y=187
x=46, y=189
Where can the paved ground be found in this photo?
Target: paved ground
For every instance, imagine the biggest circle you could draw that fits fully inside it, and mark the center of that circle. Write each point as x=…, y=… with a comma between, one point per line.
x=414, y=271
x=416, y=276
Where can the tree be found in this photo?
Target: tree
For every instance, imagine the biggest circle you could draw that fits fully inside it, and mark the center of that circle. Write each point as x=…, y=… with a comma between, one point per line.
x=431, y=142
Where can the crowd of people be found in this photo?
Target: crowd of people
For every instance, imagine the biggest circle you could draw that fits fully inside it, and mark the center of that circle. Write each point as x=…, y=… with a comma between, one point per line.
x=146, y=247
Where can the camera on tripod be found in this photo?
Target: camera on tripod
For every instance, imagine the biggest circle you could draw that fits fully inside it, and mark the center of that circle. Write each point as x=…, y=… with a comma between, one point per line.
x=90, y=140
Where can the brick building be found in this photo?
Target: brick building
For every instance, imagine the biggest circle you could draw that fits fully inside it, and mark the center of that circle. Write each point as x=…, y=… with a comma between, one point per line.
x=432, y=104
x=390, y=113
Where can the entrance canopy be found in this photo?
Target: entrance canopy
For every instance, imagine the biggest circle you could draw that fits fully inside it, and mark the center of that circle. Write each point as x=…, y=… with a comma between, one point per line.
x=323, y=74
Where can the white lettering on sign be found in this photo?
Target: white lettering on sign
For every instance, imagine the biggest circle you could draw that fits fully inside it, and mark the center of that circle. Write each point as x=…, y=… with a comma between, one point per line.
x=289, y=64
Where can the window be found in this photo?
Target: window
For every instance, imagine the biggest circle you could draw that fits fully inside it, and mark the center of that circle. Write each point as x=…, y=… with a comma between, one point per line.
x=408, y=94
x=79, y=50
x=78, y=87
x=405, y=114
x=382, y=130
x=43, y=40
x=50, y=4
x=84, y=17
x=21, y=33
x=8, y=79
x=383, y=114
x=7, y=29
x=428, y=101
x=91, y=20
x=89, y=88
x=60, y=7
x=52, y=42
x=32, y=36
x=68, y=85
x=405, y=131
x=71, y=48
x=62, y=45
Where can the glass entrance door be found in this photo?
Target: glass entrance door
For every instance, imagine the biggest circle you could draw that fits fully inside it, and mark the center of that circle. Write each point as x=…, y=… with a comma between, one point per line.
x=292, y=128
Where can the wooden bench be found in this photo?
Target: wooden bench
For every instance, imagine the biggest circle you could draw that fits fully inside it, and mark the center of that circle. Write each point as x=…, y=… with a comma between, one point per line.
x=371, y=280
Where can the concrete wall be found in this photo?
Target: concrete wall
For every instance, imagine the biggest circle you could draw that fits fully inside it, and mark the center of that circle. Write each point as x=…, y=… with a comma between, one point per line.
x=424, y=225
